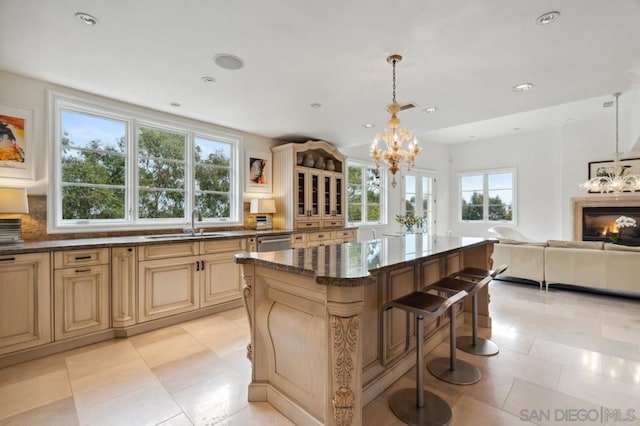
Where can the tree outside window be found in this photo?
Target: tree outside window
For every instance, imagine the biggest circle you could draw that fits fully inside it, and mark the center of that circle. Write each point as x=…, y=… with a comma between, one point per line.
x=364, y=194
x=487, y=196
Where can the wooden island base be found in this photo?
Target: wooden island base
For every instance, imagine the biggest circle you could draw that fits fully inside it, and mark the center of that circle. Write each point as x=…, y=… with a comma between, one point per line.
x=314, y=320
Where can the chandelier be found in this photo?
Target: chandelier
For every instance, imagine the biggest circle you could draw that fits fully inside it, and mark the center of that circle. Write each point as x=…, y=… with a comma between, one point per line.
x=395, y=136
x=617, y=179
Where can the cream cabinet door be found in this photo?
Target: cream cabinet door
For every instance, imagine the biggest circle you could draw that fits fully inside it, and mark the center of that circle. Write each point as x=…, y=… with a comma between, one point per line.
x=123, y=286
x=167, y=287
x=81, y=300
x=221, y=279
x=25, y=295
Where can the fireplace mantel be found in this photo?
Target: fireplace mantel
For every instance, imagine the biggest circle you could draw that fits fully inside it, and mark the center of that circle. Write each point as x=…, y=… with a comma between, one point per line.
x=598, y=201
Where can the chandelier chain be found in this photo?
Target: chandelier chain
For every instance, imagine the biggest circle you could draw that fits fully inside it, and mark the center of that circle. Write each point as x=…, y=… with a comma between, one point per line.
x=394, y=81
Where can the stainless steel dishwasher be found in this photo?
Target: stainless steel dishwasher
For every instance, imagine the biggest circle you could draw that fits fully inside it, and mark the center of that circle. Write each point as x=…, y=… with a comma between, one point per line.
x=274, y=242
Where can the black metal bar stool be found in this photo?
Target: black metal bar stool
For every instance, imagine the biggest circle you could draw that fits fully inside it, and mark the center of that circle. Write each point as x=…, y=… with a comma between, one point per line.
x=474, y=344
x=451, y=369
x=418, y=406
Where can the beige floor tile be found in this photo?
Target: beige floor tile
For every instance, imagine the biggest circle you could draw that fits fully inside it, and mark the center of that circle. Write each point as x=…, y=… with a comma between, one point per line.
x=58, y=413
x=544, y=406
x=213, y=400
x=600, y=390
x=189, y=370
x=239, y=361
x=603, y=345
x=468, y=411
x=378, y=413
x=104, y=385
x=156, y=335
x=170, y=349
x=509, y=339
x=226, y=341
x=148, y=405
x=179, y=420
x=580, y=359
x=515, y=364
x=256, y=413
x=31, y=369
x=102, y=358
x=234, y=314
x=26, y=395
x=623, y=334
x=621, y=369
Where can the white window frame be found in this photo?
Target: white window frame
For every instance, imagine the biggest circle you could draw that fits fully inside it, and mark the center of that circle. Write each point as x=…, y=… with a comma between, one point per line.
x=419, y=174
x=485, y=194
x=383, y=193
x=134, y=120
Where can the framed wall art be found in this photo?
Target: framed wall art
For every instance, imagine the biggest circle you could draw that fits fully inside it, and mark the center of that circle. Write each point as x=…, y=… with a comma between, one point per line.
x=258, y=172
x=631, y=166
x=16, y=143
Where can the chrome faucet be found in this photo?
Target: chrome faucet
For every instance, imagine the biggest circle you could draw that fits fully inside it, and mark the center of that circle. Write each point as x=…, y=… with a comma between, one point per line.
x=193, y=230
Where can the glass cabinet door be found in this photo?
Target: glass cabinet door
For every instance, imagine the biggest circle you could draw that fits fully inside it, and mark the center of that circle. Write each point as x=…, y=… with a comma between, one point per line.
x=338, y=196
x=315, y=194
x=301, y=208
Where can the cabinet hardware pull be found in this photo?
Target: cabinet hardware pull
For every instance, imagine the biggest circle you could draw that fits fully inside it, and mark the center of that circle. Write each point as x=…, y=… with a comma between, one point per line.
x=83, y=257
x=197, y=265
x=129, y=249
x=78, y=271
x=202, y=263
x=320, y=236
x=8, y=259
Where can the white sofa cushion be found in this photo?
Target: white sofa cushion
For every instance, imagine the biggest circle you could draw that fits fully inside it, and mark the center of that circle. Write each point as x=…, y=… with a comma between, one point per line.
x=594, y=245
x=577, y=266
x=525, y=261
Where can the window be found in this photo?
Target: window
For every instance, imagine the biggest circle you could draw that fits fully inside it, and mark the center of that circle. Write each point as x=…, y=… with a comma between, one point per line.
x=487, y=196
x=419, y=196
x=112, y=169
x=364, y=194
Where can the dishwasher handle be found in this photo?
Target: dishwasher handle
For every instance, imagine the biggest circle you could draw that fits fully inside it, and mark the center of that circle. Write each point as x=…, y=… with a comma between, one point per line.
x=275, y=240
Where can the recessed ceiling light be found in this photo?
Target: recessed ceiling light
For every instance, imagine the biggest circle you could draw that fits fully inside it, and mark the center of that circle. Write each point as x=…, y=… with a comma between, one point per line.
x=547, y=18
x=228, y=61
x=515, y=129
x=430, y=110
x=368, y=125
x=315, y=105
x=175, y=104
x=87, y=19
x=208, y=80
x=522, y=87
x=569, y=119
x=472, y=136
x=607, y=104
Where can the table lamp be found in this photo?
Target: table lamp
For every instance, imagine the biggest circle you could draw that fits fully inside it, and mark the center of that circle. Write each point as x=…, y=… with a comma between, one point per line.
x=12, y=200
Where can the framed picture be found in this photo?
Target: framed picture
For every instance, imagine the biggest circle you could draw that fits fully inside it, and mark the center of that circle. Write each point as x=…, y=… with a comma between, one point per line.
x=16, y=143
x=258, y=172
x=606, y=168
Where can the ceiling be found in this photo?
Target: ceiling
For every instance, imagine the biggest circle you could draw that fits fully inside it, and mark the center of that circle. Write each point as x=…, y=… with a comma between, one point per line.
x=461, y=56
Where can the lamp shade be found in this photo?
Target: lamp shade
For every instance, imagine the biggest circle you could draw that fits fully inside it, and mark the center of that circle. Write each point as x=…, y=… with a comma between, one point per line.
x=263, y=205
x=13, y=200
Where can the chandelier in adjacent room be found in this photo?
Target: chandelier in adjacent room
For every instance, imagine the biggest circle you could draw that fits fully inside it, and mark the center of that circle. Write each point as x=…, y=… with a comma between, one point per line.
x=616, y=180
x=394, y=137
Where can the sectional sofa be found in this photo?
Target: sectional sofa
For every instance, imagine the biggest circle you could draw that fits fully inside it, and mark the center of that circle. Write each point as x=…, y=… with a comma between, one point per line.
x=597, y=265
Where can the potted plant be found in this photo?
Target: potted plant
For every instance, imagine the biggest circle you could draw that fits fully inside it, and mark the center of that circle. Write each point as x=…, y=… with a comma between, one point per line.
x=409, y=221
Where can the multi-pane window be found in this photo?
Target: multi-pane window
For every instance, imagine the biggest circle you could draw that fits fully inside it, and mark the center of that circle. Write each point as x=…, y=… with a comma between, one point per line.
x=111, y=169
x=419, y=197
x=364, y=194
x=487, y=196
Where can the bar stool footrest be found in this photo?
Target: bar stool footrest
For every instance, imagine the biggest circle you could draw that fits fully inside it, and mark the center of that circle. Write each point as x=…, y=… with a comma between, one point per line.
x=464, y=374
x=484, y=347
x=436, y=411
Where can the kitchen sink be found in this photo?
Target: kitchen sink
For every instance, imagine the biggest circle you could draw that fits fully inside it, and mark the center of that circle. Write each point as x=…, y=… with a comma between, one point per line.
x=184, y=236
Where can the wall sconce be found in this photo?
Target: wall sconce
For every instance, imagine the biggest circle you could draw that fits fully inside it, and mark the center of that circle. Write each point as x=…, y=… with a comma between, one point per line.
x=263, y=208
x=12, y=200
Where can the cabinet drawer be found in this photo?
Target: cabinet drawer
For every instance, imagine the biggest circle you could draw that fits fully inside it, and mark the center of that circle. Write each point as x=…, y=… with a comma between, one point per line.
x=164, y=251
x=298, y=238
x=320, y=236
x=71, y=258
x=308, y=225
x=332, y=223
x=219, y=246
x=345, y=234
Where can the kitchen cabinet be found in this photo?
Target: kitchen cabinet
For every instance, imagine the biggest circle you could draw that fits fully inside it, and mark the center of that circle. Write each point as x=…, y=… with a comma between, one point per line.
x=308, y=186
x=81, y=292
x=182, y=277
x=322, y=238
x=25, y=301
x=123, y=286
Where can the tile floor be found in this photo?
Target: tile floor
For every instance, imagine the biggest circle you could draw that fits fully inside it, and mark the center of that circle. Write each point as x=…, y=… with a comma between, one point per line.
x=563, y=354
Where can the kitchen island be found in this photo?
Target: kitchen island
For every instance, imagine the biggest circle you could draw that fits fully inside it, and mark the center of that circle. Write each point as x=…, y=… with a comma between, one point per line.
x=314, y=319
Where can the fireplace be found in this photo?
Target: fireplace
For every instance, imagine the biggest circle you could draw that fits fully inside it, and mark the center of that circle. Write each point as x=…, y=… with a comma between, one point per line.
x=599, y=223
x=594, y=218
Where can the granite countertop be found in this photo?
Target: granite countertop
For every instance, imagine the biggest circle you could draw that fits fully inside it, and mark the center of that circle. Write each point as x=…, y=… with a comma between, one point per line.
x=54, y=245
x=352, y=264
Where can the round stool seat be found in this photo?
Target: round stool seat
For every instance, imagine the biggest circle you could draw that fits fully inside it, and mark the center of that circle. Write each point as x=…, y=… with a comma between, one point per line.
x=436, y=411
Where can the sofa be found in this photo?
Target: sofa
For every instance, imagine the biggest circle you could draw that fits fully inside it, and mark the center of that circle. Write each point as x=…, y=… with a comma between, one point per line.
x=591, y=264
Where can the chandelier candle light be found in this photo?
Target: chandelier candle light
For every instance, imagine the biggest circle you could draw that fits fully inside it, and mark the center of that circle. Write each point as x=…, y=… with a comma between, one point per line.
x=395, y=136
x=617, y=180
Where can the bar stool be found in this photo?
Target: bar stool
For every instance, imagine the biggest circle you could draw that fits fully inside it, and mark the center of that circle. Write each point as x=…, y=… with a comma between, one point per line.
x=418, y=406
x=451, y=369
x=474, y=344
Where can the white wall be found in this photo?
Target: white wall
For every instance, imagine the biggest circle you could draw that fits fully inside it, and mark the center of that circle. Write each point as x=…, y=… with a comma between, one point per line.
x=26, y=93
